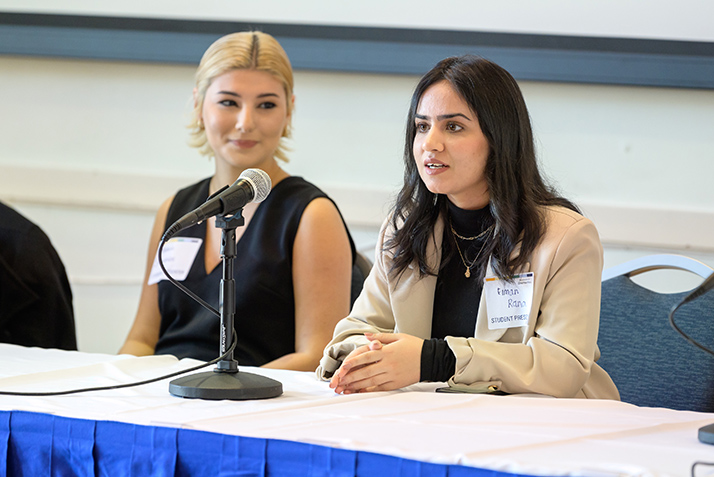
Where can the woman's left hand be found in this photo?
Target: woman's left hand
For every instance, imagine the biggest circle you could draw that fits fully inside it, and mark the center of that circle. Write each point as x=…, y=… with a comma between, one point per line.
x=390, y=361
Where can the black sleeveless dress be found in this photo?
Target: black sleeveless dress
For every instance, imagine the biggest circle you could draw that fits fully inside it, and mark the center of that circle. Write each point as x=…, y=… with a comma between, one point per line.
x=265, y=305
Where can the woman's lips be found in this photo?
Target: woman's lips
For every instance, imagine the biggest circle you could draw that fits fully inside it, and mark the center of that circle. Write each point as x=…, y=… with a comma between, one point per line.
x=244, y=143
x=434, y=167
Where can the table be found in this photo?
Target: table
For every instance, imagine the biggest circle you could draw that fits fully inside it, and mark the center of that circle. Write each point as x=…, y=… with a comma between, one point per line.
x=309, y=430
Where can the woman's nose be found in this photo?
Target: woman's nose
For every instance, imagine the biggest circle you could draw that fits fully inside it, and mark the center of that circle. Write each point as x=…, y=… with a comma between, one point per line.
x=244, y=121
x=433, y=142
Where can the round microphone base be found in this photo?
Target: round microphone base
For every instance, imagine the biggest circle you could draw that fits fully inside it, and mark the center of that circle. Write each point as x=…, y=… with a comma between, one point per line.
x=216, y=385
x=706, y=434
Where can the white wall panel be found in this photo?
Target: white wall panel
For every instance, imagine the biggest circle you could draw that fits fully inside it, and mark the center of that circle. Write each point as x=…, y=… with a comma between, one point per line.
x=89, y=149
x=661, y=19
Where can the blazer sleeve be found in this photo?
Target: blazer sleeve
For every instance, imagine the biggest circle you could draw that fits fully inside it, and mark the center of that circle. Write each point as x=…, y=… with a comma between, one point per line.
x=556, y=352
x=371, y=312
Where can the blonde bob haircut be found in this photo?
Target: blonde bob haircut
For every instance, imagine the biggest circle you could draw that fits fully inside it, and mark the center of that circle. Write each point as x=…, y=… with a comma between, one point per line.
x=252, y=50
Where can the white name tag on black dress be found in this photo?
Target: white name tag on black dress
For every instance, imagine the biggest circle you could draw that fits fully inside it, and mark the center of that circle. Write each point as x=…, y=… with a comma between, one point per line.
x=508, y=303
x=178, y=256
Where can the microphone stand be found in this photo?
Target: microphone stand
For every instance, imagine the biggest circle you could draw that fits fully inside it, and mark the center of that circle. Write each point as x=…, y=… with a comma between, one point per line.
x=225, y=381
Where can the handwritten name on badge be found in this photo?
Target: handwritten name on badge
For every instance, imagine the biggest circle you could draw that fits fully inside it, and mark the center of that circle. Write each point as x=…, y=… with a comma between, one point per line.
x=508, y=303
x=179, y=254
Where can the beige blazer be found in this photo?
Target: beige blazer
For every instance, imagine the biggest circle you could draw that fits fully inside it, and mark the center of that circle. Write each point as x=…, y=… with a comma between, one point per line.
x=555, y=354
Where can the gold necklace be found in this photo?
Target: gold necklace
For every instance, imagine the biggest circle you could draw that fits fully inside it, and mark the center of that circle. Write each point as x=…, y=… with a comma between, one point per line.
x=470, y=238
x=468, y=266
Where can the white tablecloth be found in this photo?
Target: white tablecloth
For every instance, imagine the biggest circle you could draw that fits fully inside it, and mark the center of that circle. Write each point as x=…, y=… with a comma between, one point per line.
x=530, y=435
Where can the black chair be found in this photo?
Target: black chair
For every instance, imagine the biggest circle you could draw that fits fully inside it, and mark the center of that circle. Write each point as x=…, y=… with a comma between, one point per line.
x=35, y=295
x=360, y=270
x=651, y=364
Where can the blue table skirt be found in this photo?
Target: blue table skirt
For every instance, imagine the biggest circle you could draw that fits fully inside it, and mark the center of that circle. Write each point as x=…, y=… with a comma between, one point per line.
x=36, y=444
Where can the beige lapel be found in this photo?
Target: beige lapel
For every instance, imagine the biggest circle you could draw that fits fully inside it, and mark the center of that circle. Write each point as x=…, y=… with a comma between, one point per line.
x=413, y=298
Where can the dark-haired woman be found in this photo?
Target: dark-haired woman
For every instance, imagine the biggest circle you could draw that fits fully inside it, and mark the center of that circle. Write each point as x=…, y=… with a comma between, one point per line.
x=485, y=277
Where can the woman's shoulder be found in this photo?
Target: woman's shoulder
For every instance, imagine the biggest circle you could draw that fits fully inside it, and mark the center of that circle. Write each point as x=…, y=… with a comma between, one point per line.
x=562, y=222
x=559, y=216
x=292, y=196
x=288, y=200
x=296, y=185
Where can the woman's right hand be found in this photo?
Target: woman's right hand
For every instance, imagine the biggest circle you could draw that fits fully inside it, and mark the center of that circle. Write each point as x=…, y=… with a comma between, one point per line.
x=389, y=361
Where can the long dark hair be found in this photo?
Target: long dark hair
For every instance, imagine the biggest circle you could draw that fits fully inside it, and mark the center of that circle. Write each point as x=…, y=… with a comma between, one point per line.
x=515, y=185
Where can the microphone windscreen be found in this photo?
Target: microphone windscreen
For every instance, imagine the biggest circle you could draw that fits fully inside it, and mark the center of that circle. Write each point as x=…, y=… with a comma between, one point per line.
x=260, y=180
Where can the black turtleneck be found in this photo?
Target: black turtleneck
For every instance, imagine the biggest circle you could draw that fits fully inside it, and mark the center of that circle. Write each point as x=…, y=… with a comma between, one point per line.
x=457, y=297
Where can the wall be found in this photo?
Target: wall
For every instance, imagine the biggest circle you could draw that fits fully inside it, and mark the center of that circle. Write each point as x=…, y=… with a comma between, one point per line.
x=90, y=148
x=660, y=19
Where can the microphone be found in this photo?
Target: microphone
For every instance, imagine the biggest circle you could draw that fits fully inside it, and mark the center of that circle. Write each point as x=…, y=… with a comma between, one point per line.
x=253, y=185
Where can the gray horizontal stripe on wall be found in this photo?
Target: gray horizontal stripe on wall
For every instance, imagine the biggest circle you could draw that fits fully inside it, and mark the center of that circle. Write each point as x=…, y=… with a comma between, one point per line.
x=373, y=50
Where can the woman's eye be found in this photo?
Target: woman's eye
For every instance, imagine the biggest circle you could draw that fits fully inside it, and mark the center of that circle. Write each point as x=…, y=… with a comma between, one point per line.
x=268, y=105
x=227, y=102
x=453, y=127
x=422, y=127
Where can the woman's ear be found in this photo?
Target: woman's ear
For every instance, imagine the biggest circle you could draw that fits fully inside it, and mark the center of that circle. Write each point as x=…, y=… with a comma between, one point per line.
x=292, y=106
x=199, y=114
x=289, y=117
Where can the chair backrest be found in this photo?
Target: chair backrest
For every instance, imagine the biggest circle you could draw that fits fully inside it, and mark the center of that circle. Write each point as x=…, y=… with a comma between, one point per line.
x=651, y=364
x=658, y=262
x=360, y=270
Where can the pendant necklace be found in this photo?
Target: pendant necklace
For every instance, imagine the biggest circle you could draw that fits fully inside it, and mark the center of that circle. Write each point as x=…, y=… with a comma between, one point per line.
x=468, y=266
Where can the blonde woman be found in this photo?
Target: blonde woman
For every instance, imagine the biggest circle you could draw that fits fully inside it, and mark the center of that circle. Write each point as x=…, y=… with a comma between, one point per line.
x=294, y=254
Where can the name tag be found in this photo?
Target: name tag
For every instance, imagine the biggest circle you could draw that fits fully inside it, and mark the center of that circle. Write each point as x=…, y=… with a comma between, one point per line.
x=178, y=256
x=508, y=303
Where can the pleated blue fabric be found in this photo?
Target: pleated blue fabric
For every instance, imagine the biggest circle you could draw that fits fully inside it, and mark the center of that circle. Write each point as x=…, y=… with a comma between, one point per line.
x=37, y=444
